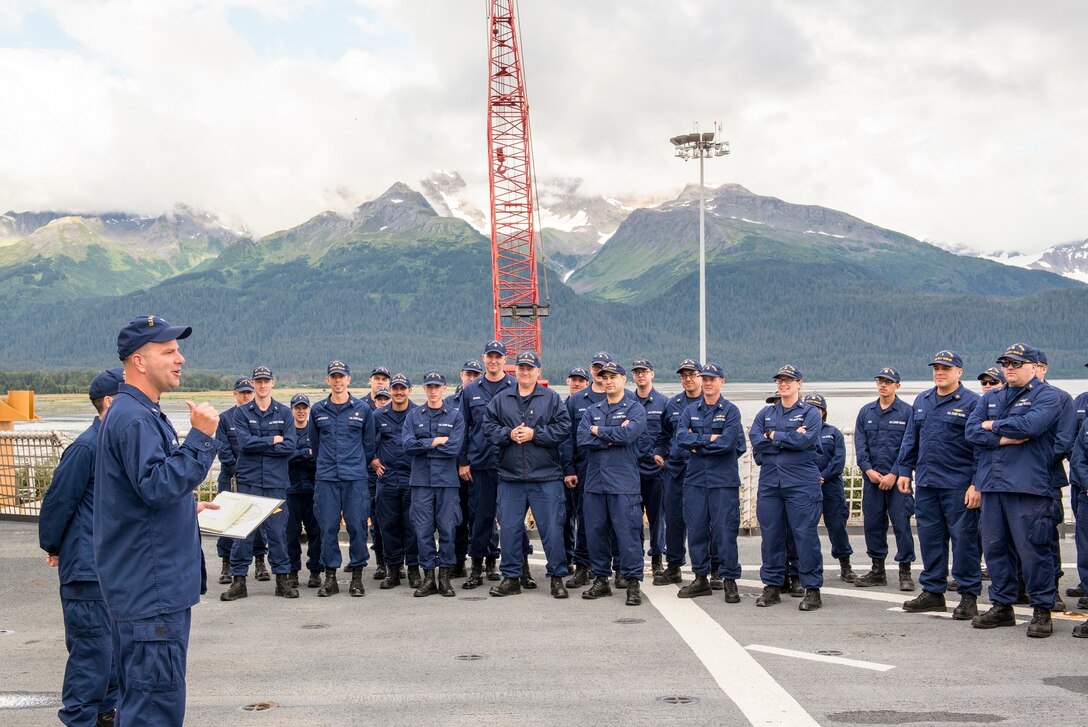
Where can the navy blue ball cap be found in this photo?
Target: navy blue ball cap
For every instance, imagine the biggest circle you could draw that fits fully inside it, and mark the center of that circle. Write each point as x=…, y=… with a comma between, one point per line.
x=434, y=377
x=400, y=380
x=642, y=363
x=580, y=373
x=889, y=373
x=600, y=358
x=613, y=367
x=382, y=392
x=816, y=400
x=1040, y=356
x=473, y=365
x=338, y=367
x=106, y=383
x=712, y=370
x=1019, y=352
x=299, y=399
x=528, y=358
x=148, y=329
x=947, y=358
x=993, y=373
x=689, y=364
x=789, y=371
x=495, y=347
x=262, y=372
x=379, y=371
x=243, y=384
x=773, y=398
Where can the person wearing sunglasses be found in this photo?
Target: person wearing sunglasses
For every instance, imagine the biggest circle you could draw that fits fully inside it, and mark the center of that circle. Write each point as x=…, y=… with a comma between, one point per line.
x=1015, y=430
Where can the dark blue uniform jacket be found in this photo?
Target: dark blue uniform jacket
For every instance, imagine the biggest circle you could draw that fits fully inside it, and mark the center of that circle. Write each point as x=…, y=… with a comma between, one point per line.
x=712, y=464
x=790, y=459
x=477, y=451
x=612, y=454
x=544, y=412
x=389, y=433
x=573, y=456
x=146, y=542
x=301, y=467
x=935, y=448
x=342, y=436
x=676, y=457
x=433, y=466
x=878, y=435
x=1031, y=412
x=1064, y=438
x=65, y=526
x=228, y=442
x=261, y=463
x=654, y=404
x=832, y=455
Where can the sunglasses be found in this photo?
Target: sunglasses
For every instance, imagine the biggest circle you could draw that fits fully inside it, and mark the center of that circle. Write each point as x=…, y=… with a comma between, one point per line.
x=990, y=382
x=1007, y=364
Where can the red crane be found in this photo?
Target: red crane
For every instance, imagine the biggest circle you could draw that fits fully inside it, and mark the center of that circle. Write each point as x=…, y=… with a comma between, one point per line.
x=518, y=308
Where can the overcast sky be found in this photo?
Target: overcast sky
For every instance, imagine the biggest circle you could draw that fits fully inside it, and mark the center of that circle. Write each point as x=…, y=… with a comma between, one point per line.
x=959, y=122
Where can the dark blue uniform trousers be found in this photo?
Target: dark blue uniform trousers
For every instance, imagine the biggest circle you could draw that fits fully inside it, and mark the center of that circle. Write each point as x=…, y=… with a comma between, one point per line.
x=395, y=519
x=150, y=655
x=1056, y=536
x=1080, y=534
x=941, y=516
x=836, y=514
x=376, y=539
x=548, y=504
x=652, y=500
x=274, y=530
x=796, y=509
x=300, y=514
x=614, y=523
x=349, y=499
x=878, y=507
x=223, y=545
x=483, y=492
x=435, y=508
x=1013, y=524
x=675, y=529
x=460, y=538
x=90, y=676
x=712, y=516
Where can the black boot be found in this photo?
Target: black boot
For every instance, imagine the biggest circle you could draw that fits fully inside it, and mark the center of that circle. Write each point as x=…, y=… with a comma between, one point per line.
x=811, y=601
x=580, y=577
x=1075, y=592
x=237, y=589
x=1059, y=604
x=925, y=601
x=458, y=569
x=1080, y=631
x=284, y=587
x=492, y=570
x=671, y=574
x=527, y=581
x=953, y=584
x=414, y=577
x=770, y=596
x=444, y=587
x=634, y=595
x=846, y=572
x=314, y=581
x=382, y=570
x=292, y=579
x=875, y=577
x=224, y=575
x=106, y=719
x=428, y=586
x=476, y=575
x=1082, y=602
x=906, y=583
x=998, y=615
x=1041, y=626
x=355, y=588
x=260, y=570
x=655, y=565
x=558, y=590
x=619, y=581
x=698, y=587
x=1022, y=595
x=599, y=589
x=731, y=594
x=392, y=578
x=716, y=582
x=507, y=587
x=793, y=586
x=967, y=609
x=330, y=586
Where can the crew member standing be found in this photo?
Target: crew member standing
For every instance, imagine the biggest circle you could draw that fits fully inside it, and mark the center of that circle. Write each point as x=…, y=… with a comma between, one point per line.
x=342, y=436
x=89, y=692
x=836, y=511
x=394, y=491
x=878, y=435
x=300, y=498
x=146, y=540
x=471, y=370
x=266, y=441
x=610, y=432
x=650, y=472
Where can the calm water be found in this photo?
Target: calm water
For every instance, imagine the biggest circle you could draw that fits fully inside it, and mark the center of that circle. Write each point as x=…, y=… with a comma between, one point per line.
x=844, y=399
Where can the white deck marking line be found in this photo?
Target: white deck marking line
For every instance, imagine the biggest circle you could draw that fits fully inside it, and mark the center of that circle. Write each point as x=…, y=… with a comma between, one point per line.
x=941, y=614
x=763, y=700
x=872, y=665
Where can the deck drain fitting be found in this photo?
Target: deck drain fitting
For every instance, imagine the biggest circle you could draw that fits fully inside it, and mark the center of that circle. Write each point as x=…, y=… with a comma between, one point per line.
x=470, y=657
x=630, y=621
x=678, y=699
x=829, y=652
x=258, y=707
x=314, y=627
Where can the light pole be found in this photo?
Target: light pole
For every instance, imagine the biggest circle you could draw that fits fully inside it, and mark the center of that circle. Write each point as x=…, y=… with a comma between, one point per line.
x=701, y=145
